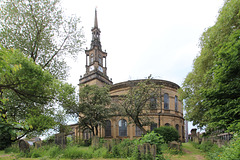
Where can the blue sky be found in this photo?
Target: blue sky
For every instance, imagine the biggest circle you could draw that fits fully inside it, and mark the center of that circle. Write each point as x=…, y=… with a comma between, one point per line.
x=144, y=37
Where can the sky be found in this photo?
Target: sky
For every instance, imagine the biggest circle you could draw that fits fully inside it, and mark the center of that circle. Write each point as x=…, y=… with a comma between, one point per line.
x=143, y=37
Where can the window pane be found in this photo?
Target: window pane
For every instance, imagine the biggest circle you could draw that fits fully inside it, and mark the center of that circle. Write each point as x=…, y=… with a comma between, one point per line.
x=122, y=124
x=153, y=126
x=177, y=127
x=138, y=131
x=108, y=129
x=166, y=101
x=176, y=103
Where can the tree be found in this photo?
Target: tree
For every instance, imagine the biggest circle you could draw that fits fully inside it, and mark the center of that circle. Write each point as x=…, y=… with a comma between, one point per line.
x=211, y=89
x=27, y=97
x=93, y=108
x=41, y=31
x=168, y=133
x=139, y=101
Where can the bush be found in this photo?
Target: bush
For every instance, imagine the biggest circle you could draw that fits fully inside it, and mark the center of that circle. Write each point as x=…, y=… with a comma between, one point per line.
x=101, y=152
x=168, y=133
x=53, y=151
x=228, y=152
x=123, y=149
x=206, y=146
x=12, y=149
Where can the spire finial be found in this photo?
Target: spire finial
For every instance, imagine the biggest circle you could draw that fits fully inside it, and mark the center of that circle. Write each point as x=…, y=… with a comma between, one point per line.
x=95, y=20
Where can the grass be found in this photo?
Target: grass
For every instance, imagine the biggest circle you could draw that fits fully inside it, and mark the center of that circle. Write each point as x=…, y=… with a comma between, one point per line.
x=189, y=153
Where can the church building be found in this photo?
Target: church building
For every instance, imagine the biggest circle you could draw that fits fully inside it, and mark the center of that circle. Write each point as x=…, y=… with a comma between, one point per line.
x=167, y=112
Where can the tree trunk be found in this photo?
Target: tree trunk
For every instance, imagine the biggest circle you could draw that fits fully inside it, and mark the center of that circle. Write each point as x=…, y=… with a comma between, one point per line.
x=140, y=126
x=96, y=128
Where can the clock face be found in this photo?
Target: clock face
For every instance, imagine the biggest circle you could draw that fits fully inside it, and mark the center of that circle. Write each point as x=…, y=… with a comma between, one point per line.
x=91, y=68
x=100, y=68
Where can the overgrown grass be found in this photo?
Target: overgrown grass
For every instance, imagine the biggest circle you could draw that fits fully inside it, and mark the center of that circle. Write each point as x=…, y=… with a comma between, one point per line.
x=227, y=152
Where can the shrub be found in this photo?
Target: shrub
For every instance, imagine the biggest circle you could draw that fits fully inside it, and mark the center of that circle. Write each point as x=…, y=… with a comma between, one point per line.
x=231, y=151
x=168, y=133
x=35, y=155
x=124, y=149
x=12, y=149
x=152, y=138
x=53, y=151
x=101, y=152
x=206, y=146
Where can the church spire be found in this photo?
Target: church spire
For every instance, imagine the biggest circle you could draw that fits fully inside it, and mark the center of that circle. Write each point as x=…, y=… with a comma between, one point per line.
x=95, y=20
x=96, y=34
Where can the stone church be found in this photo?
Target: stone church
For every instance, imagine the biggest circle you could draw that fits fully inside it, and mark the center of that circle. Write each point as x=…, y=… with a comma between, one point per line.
x=167, y=112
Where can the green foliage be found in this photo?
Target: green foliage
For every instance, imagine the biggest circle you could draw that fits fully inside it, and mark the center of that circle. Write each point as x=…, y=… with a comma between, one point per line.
x=168, y=133
x=124, y=149
x=211, y=91
x=206, y=146
x=12, y=149
x=152, y=138
x=137, y=102
x=91, y=109
x=27, y=97
x=34, y=26
x=102, y=153
x=227, y=152
x=75, y=152
x=54, y=151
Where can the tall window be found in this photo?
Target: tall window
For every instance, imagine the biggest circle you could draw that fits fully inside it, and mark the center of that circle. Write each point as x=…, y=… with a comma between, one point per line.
x=166, y=101
x=87, y=134
x=138, y=131
x=153, y=103
x=176, y=103
x=153, y=126
x=177, y=127
x=108, y=128
x=122, y=124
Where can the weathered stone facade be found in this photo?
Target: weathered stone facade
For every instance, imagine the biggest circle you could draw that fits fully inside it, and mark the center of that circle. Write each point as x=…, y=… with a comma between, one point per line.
x=118, y=126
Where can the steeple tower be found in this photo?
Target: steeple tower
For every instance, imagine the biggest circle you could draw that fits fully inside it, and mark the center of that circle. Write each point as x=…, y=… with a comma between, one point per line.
x=96, y=64
x=96, y=34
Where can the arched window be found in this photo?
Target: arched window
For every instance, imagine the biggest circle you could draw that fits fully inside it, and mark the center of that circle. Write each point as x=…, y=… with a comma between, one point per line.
x=138, y=131
x=153, y=126
x=177, y=127
x=122, y=124
x=176, y=103
x=86, y=134
x=167, y=124
x=166, y=101
x=153, y=103
x=108, y=128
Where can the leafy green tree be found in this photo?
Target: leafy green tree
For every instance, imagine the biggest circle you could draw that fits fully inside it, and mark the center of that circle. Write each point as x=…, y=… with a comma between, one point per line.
x=168, y=133
x=93, y=108
x=41, y=31
x=27, y=97
x=137, y=102
x=211, y=90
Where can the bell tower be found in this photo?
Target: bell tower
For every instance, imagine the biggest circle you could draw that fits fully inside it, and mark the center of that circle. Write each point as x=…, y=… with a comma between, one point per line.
x=96, y=63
